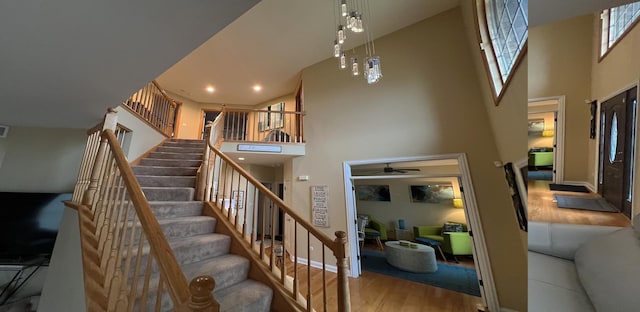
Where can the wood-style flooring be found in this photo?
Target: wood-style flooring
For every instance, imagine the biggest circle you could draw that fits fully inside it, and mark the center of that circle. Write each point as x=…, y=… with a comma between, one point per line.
x=542, y=208
x=372, y=292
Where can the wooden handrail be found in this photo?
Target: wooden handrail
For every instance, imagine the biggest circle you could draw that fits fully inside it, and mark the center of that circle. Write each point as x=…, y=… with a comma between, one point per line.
x=324, y=238
x=166, y=260
x=164, y=93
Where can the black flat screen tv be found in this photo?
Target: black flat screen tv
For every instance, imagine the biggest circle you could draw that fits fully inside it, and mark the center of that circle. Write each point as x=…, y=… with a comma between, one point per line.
x=29, y=224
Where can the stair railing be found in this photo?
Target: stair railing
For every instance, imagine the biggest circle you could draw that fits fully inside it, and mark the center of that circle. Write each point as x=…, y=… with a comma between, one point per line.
x=260, y=125
x=257, y=213
x=155, y=107
x=127, y=262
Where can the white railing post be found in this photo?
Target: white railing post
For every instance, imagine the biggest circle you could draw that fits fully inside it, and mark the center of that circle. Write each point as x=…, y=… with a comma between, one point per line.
x=110, y=122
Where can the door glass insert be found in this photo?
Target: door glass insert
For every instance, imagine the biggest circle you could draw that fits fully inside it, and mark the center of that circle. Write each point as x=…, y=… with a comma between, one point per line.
x=613, y=143
x=600, y=167
x=632, y=149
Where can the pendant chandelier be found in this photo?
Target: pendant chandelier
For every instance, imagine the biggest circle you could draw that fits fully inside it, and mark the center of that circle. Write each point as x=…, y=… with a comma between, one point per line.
x=354, y=16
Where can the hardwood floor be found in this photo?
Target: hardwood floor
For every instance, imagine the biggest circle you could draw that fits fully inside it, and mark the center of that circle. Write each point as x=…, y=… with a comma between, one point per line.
x=542, y=208
x=372, y=292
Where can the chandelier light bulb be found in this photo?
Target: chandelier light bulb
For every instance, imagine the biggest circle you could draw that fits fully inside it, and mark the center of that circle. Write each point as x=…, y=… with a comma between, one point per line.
x=354, y=66
x=357, y=26
x=342, y=36
x=352, y=21
x=336, y=48
x=343, y=7
x=343, y=61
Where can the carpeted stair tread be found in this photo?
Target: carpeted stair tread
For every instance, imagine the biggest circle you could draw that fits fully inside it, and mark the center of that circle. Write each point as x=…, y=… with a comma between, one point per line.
x=173, y=209
x=184, y=227
x=169, y=193
x=246, y=296
x=193, y=156
x=170, y=171
x=158, y=162
x=179, y=149
x=184, y=144
x=195, y=249
x=227, y=270
x=166, y=181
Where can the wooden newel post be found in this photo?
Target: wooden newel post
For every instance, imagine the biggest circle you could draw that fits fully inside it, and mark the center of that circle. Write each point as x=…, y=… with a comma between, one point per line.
x=201, y=297
x=344, y=298
x=110, y=122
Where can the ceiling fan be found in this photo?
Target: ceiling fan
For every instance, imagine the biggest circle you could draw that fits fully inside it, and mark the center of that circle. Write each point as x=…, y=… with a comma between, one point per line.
x=388, y=169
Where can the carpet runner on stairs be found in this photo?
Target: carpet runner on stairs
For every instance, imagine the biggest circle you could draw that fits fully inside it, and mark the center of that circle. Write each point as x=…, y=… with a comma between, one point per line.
x=167, y=177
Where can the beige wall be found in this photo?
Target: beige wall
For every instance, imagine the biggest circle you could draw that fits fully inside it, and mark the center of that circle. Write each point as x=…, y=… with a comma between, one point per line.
x=429, y=102
x=401, y=207
x=190, y=119
x=41, y=159
x=560, y=57
x=618, y=71
x=143, y=137
x=508, y=117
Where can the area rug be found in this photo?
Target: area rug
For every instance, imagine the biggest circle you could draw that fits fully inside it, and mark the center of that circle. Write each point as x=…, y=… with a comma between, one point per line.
x=568, y=188
x=585, y=203
x=544, y=175
x=452, y=277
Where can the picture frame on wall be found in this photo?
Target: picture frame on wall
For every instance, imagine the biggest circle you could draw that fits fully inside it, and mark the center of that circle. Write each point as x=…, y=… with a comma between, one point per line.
x=272, y=118
x=373, y=192
x=435, y=192
x=516, y=198
x=237, y=198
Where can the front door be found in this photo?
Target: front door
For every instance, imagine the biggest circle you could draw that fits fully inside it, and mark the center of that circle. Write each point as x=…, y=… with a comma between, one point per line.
x=616, y=150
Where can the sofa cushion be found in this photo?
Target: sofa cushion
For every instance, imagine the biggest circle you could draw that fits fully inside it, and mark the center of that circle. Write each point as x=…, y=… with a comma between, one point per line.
x=608, y=267
x=554, y=285
x=452, y=227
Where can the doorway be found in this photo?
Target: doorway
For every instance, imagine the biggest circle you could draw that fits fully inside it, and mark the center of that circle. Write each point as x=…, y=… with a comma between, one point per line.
x=235, y=124
x=616, y=150
x=481, y=258
x=546, y=139
x=267, y=213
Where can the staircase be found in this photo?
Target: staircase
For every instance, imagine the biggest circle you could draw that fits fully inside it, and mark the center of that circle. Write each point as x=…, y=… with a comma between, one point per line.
x=168, y=178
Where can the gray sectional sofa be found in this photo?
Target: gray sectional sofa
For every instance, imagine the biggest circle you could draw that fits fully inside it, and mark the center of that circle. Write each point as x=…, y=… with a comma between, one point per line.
x=584, y=267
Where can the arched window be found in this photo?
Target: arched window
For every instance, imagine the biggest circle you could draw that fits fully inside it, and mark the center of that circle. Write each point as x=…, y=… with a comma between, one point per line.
x=503, y=33
x=616, y=22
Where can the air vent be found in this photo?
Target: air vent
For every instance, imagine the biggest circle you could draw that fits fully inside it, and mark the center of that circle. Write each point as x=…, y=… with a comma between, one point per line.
x=4, y=130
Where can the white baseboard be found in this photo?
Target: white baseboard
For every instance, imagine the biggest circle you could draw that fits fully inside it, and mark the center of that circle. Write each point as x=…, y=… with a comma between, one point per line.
x=317, y=265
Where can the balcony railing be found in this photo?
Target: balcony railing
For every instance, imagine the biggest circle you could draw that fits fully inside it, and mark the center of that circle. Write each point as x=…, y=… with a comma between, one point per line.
x=155, y=107
x=262, y=126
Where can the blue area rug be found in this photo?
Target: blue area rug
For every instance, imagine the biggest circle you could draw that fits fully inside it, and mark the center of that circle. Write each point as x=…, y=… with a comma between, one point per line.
x=452, y=277
x=540, y=175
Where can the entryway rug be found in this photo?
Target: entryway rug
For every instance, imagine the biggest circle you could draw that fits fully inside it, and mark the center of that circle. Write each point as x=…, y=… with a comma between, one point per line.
x=568, y=188
x=452, y=277
x=585, y=203
x=544, y=175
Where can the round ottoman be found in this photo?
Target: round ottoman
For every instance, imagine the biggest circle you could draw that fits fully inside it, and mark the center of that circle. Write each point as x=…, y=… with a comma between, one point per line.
x=420, y=260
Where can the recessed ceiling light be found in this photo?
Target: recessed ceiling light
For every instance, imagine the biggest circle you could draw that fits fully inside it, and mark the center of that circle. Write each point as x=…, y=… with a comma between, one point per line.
x=257, y=88
x=210, y=89
x=240, y=158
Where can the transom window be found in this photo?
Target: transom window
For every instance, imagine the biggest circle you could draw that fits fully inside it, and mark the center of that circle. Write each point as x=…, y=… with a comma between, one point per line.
x=503, y=32
x=615, y=23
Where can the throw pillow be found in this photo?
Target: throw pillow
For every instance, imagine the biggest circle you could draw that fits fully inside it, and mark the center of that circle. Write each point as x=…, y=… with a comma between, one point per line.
x=451, y=227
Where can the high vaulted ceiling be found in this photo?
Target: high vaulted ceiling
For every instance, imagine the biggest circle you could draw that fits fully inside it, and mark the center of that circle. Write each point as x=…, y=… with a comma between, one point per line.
x=271, y=44
x=64, y=62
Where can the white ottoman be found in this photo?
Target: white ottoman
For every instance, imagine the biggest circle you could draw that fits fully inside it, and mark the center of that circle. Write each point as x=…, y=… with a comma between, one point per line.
x=419, y=260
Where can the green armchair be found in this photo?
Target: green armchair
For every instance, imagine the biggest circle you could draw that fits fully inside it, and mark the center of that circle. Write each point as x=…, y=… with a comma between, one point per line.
x=453, y=243
x=376, y=227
